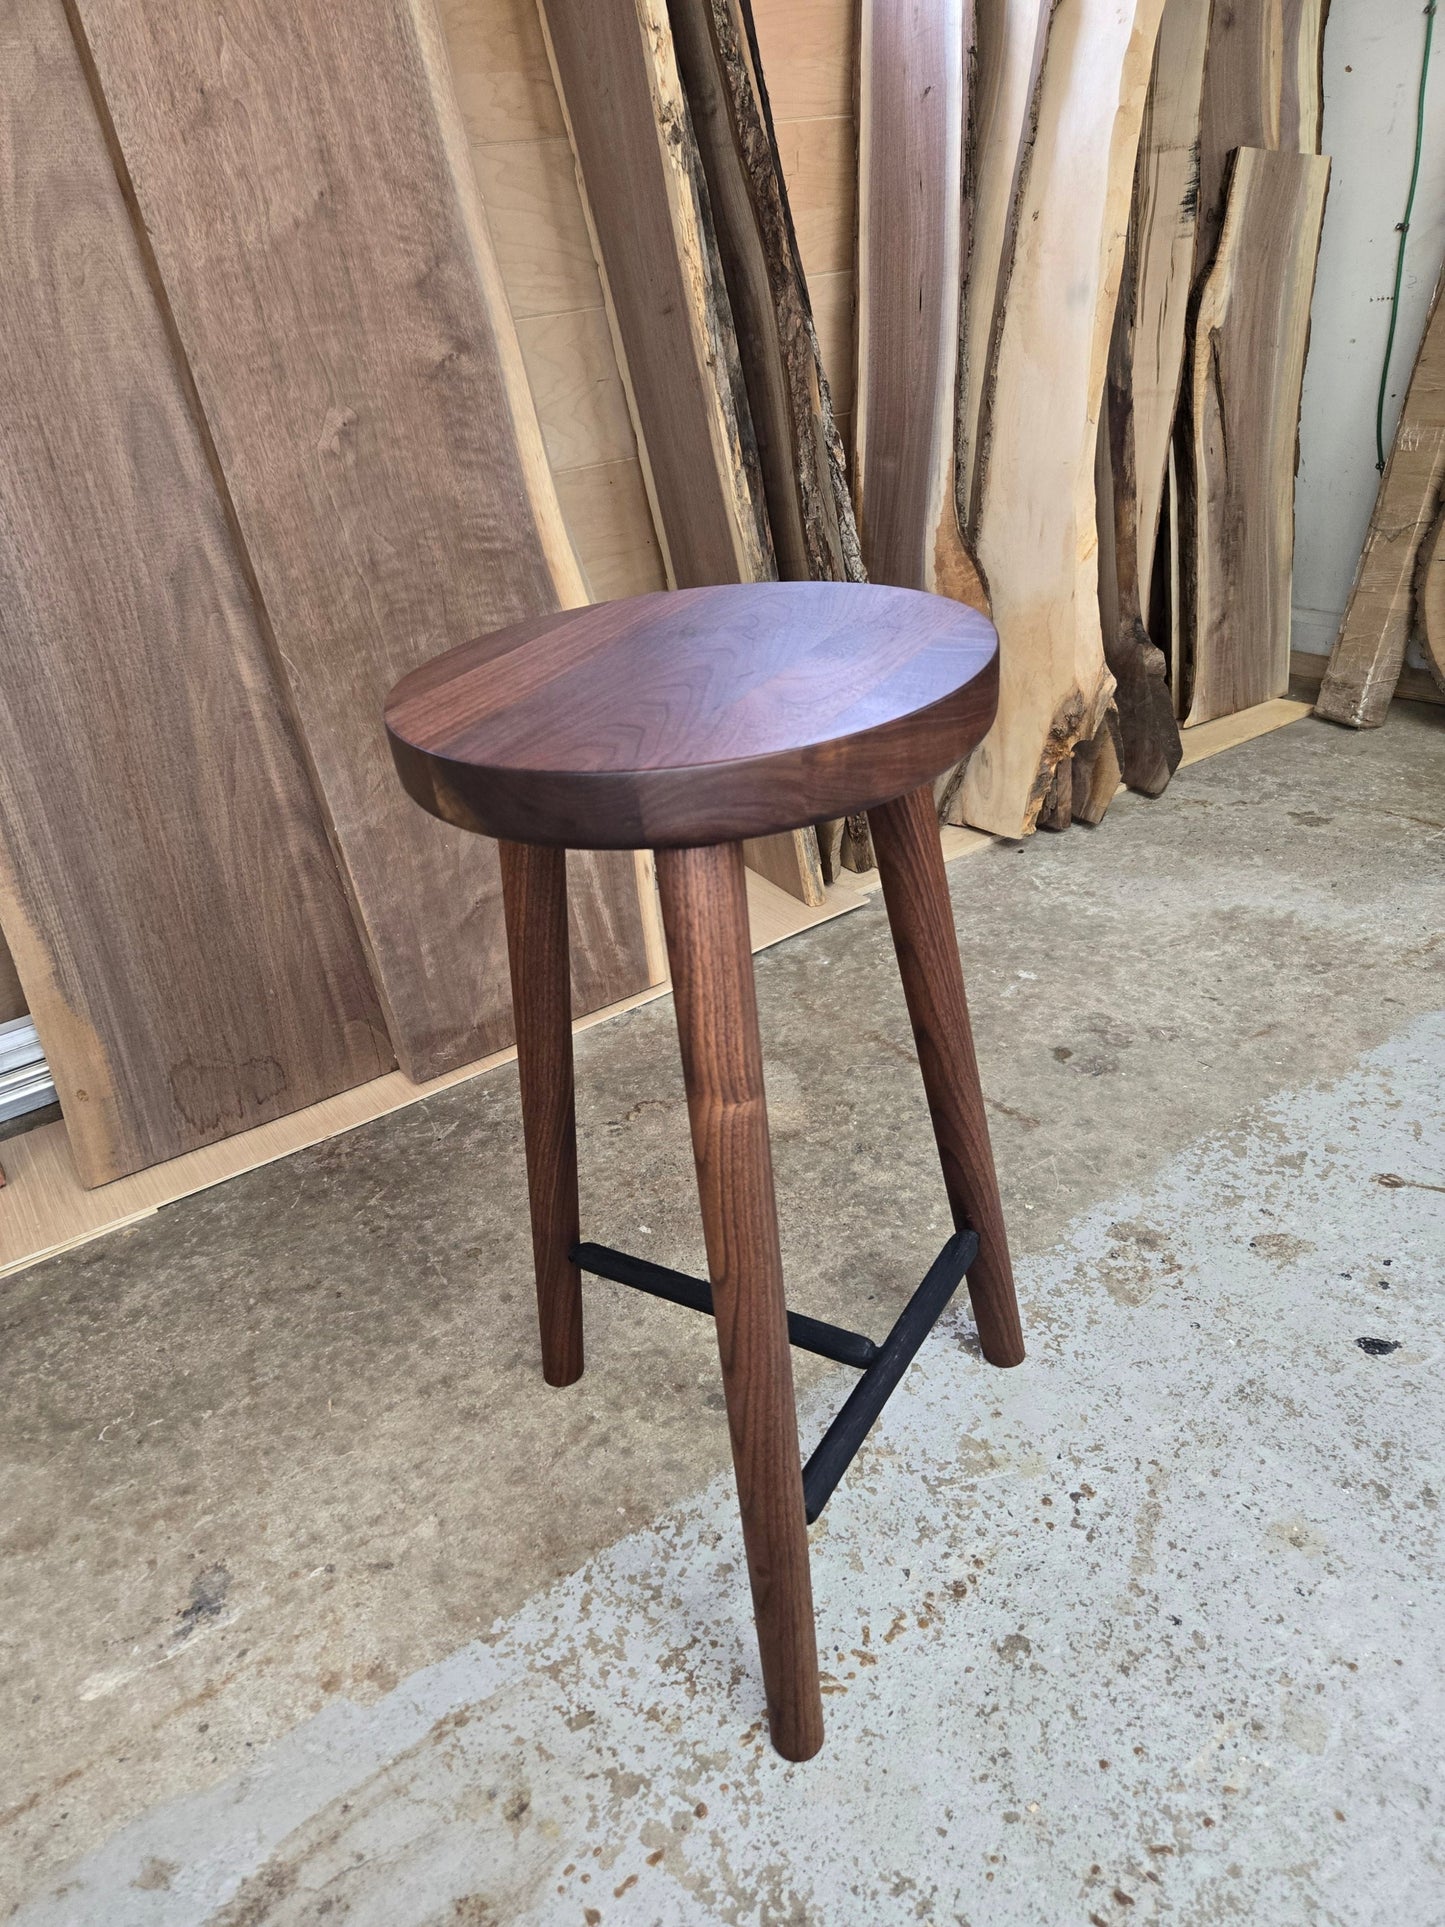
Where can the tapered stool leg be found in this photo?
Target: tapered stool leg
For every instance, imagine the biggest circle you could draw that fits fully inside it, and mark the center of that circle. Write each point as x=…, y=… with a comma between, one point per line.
x=915, y=889
x=534, y=893
x=705, y=914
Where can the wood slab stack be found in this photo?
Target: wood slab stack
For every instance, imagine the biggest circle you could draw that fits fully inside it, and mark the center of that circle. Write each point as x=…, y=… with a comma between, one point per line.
x=1257, y=217
x=406, y=319
x=272, y=443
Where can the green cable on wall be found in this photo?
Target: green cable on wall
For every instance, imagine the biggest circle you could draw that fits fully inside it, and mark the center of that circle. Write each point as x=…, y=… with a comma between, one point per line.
x=1404, y=232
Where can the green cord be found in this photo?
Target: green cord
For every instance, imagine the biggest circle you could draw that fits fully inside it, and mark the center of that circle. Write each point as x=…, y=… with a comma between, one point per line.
x=1404, y=233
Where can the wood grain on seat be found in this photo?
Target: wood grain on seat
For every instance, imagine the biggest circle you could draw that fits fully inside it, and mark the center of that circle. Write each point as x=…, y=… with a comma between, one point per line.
x=700, y=716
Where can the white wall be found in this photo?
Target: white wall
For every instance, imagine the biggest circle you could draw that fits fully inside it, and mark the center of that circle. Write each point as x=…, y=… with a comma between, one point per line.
x=1372, y=70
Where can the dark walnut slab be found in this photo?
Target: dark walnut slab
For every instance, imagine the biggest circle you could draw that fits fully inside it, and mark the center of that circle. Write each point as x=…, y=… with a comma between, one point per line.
x=698, y=716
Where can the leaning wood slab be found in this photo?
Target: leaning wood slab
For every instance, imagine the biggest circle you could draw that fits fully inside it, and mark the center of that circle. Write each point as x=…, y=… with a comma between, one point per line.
x=1430, y=598
x=809, y=56
x=1263, y=88
x=1162, y=224
x=1010, y=39
x=1237, y=505
x=1302, y=74
x=303, y=176
x=912, y=243
x=165, y=881
x=647, y=205
x=1145, y=736
x=644, y=190
x=1037, y=535
x=1366, y=660
x=800, y=454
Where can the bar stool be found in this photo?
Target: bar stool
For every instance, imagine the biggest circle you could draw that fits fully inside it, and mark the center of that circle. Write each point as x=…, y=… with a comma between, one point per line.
x=682, y=723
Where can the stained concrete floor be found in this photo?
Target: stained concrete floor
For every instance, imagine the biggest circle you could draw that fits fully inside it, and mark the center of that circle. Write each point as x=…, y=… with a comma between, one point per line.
x=281, y=1480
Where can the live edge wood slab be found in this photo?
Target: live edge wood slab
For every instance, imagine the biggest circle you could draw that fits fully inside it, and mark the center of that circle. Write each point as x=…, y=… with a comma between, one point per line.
x=701, y=716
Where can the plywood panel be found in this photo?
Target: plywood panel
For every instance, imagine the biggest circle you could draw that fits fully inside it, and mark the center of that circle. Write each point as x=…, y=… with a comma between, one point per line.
x=544, y=252
x=607, y=511
x=304, y=176
x=165, y=880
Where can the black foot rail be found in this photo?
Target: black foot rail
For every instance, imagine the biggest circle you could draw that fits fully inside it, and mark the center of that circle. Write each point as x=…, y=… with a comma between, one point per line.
x=882, y=1365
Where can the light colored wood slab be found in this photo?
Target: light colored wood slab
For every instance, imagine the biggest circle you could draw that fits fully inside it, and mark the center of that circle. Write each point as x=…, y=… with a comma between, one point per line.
x=48, y=1210
x=805, y=486
x=1237, y=505
x=1162, y=225
x=1037, y=530
x=1366, y=660
x=1010, y=37
x=304, y=177
x=912, y=241
x=173, y=908
x=1302, y=74
x=1430, y=598
x=1306, y=672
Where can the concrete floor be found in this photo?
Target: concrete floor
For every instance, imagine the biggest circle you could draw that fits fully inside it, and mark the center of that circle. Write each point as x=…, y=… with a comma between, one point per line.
x=315, y=1604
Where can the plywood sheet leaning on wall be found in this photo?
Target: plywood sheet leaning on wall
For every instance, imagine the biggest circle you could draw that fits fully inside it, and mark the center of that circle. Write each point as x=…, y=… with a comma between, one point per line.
x=523, y=164
x=1162, y=224
x=1369, y=651
x=647, y=206
x=1036, y=541
x=1237, y=504
x=165, y=881
x=913, y=72
x=304, y=177
x=805, y=486
x=808, y=51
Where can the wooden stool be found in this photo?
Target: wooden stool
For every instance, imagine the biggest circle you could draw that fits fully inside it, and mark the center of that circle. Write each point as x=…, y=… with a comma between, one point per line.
x=683, y=723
